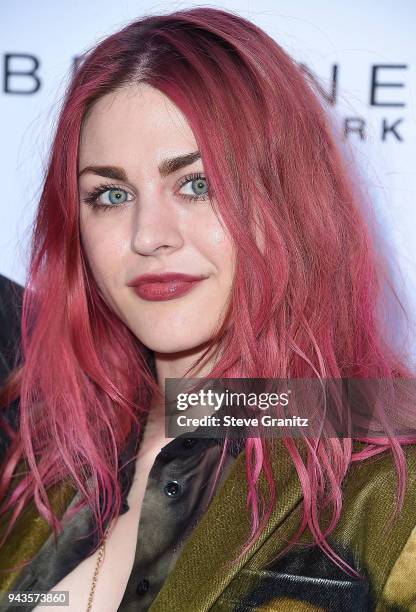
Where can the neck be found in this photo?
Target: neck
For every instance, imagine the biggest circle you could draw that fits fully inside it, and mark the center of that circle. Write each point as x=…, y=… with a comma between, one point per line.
x=173, y=365
x=177, y=365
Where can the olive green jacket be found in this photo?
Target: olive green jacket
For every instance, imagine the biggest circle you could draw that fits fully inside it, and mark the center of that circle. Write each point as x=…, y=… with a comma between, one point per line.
x=303, y=580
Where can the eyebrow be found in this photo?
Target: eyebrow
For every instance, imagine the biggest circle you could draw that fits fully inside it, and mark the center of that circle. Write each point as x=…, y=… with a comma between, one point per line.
x=166, y=167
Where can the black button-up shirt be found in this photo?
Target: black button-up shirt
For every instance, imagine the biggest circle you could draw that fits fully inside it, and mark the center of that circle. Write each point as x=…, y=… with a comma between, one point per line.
x=176, y=496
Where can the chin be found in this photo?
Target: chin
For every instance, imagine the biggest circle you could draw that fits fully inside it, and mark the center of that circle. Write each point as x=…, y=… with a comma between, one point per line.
x=178, y=342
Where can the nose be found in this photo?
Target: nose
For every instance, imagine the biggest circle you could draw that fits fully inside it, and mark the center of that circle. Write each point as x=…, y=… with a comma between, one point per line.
x=156, y=227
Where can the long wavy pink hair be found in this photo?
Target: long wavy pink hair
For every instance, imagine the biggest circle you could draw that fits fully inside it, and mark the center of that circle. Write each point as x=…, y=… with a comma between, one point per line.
x=303, y=306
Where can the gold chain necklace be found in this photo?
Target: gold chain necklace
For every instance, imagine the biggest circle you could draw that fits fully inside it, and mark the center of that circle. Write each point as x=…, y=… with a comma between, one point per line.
x=100, y=558
x=95, y=576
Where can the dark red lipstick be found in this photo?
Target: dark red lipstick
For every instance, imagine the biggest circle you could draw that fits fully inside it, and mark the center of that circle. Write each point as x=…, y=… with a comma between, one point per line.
x=164, y=286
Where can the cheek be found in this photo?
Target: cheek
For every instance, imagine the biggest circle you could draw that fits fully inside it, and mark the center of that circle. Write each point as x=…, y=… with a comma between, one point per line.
x=217, y=236
x=101, y=251
x=212, y=230
x=220, y=247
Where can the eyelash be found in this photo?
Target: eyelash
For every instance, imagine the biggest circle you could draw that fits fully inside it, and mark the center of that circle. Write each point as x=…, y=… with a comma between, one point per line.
x=92, y=197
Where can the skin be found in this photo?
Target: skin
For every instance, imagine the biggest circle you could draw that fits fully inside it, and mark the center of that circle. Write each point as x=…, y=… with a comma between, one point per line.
x=153, y=228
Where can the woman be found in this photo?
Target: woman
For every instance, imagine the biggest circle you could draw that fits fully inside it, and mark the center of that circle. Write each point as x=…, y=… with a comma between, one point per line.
x=191, y=144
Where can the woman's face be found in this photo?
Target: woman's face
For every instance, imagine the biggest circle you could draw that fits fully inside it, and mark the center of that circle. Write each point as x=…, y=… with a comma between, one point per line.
x=145, y=221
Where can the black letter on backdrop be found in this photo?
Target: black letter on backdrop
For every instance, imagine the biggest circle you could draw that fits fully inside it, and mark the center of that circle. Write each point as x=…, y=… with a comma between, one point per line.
x=354, y=125
x=391, y=128
x=8, y=72
x=375, y=84
x=331, y=96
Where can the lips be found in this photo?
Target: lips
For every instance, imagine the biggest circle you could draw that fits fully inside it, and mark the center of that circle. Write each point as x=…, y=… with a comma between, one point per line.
x=165, y=286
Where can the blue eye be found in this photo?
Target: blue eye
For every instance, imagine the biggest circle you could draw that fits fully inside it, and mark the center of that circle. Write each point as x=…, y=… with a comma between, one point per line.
x=116, y=196
x=198, y=184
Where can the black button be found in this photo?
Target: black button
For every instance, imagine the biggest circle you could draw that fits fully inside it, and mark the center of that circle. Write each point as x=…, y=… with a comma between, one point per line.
x=189, y=442
x=142, y=587
x=172, y=489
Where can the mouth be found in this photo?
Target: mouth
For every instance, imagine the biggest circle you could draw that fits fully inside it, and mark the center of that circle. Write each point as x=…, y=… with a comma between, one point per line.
x=157, y=290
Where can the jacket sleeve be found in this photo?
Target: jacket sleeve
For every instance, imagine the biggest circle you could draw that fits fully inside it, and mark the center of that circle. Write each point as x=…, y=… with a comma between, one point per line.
x=11, y=296
x=10, y=415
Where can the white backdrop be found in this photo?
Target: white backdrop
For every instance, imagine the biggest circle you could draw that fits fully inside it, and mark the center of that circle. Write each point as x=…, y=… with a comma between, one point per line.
x=364, y=53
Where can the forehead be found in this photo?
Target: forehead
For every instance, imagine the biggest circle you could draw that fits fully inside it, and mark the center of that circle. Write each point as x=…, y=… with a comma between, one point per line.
x=135, y=119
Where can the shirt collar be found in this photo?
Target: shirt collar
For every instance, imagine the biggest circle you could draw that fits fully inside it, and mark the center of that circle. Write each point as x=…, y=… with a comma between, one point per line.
x=181, y=447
